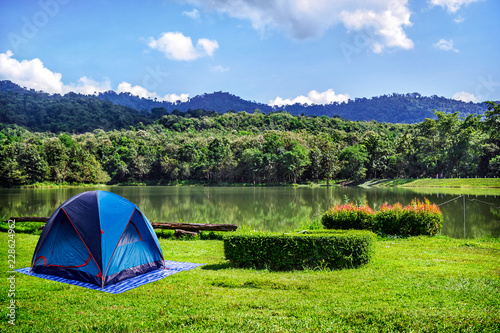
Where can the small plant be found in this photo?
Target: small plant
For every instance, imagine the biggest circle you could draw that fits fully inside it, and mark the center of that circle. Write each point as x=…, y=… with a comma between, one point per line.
x=346, y=199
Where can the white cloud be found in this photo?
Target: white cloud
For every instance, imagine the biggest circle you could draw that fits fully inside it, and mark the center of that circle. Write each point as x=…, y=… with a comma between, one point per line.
x=381, y=28
x=135, y=90
x=465, y=97
x=219, y=69
x=208, y=45
x=194, y=14
x=176, y=46
x=445, y=45
x=34, y=75
x=87, y=86
x=313, y=97
x=144, y=93
x=303, y=19
x=174, y=98
x=452, y=5
x=29, y=73
x=459, y=19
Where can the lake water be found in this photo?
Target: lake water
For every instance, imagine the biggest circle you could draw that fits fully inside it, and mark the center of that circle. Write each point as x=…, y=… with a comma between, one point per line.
x=268, y=208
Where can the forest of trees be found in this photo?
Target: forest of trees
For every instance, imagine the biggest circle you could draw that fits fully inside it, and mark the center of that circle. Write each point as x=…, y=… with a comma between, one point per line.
x=39, y=111
x=273, y=148
x=394, y=108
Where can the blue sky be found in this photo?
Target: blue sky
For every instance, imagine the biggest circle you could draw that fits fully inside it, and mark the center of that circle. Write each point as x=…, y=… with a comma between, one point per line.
x=275, y=51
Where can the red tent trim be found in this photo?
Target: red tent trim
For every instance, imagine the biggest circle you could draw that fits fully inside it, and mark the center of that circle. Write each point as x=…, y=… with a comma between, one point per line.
x=88, y=260
x=44, y=260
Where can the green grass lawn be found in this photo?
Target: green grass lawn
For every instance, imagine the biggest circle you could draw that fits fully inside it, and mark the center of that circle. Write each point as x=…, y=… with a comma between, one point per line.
x=417, y=284
x=432, y=182
x=455, y=182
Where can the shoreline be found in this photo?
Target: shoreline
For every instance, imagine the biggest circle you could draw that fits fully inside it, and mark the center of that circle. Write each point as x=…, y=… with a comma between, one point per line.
x=449, y=183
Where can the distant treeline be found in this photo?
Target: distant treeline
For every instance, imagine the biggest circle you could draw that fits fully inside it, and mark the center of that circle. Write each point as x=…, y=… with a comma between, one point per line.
x=254, y=148
x=77, y=113
x=393, y=108
x=74, y=113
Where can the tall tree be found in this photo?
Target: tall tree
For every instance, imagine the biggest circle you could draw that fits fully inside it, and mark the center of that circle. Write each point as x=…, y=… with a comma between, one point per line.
x=353, y=160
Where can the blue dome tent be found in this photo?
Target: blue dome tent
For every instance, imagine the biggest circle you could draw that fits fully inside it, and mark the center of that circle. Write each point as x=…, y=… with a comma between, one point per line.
x=97, y=237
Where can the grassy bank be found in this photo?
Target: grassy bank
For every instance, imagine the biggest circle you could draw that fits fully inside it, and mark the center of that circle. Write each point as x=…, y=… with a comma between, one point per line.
x=177, y=183
x=47, y=184
x=417, y=284
x=432, y=182
x=480, y=183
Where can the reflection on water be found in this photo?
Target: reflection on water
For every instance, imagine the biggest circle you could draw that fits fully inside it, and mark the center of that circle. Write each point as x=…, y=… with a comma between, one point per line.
x=267, y=208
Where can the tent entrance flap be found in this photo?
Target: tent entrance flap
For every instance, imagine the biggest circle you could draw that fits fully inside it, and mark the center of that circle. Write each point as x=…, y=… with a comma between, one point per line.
x=68, y=249
x=135, y=249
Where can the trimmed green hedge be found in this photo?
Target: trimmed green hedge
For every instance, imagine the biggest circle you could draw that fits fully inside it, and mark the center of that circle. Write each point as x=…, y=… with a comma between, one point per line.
x=418, y=218
x=213, y=235
x=311, y=250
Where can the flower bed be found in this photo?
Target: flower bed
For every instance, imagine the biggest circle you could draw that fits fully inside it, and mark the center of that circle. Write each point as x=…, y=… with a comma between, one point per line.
x=418, y=218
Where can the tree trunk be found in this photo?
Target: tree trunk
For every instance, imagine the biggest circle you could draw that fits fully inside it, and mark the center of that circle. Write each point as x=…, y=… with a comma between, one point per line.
x=158, y=225
x=195, y=226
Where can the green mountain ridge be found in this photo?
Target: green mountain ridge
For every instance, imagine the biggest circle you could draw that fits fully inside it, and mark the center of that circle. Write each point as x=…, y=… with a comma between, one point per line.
x=40, y=111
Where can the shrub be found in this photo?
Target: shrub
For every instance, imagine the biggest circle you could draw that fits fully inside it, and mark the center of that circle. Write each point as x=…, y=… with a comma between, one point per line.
x=388, y=219
x=317, y=250
x=421, y=218
x=349, y=216
x=418, y=218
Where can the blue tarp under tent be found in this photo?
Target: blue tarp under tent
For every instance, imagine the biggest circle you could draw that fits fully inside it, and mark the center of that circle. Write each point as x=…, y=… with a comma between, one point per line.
x=97, y=237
